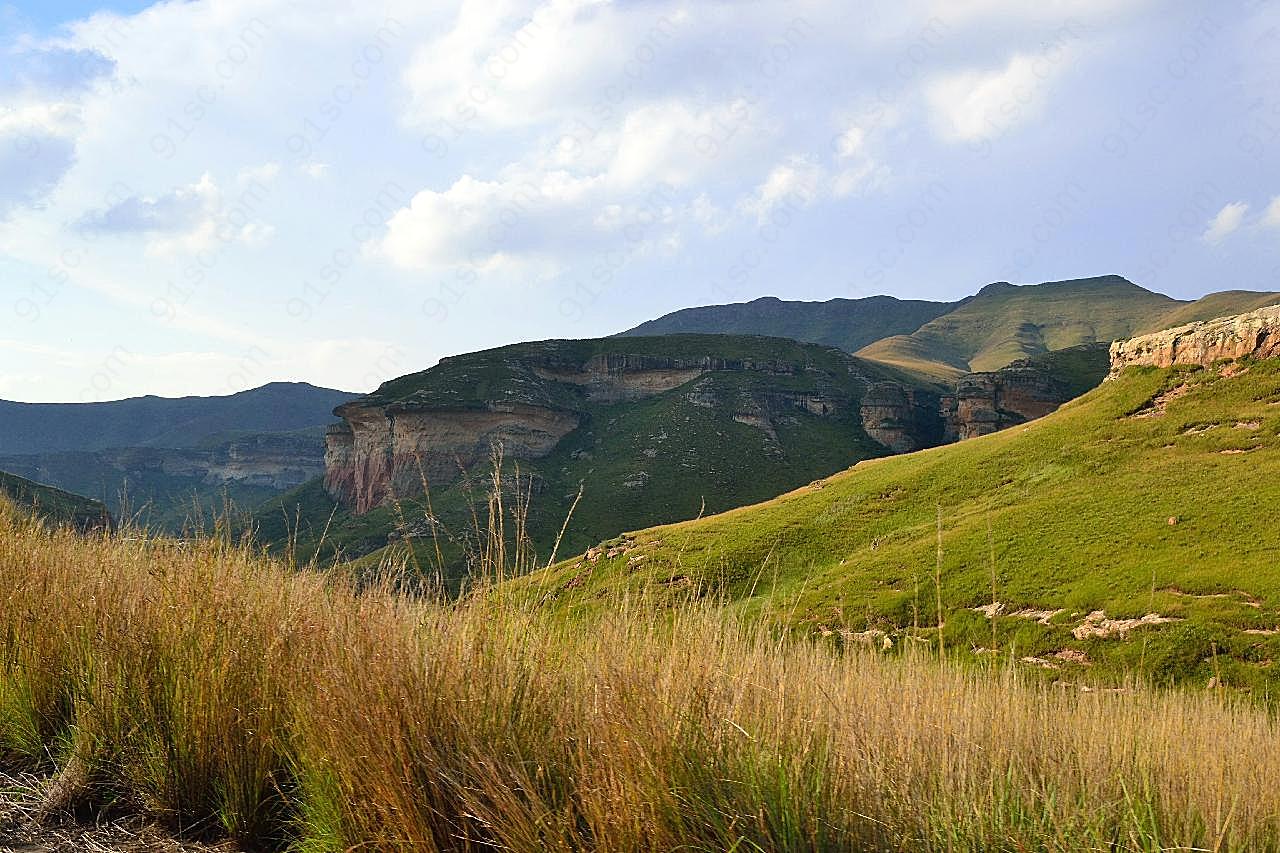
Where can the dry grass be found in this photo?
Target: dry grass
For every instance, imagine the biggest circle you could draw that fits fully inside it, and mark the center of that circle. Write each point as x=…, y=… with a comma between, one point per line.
x=216, y=692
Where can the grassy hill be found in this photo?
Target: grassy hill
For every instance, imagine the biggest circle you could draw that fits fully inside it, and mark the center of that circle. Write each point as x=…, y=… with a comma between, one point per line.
x=1153, y=494
x=1224, y=304
x=54, y=505
x=726, y=438
x=1005, y=322
x=183, y=422
x=848, y=324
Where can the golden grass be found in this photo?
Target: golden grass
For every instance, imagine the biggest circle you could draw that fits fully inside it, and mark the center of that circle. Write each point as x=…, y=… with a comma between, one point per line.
x=223, y=695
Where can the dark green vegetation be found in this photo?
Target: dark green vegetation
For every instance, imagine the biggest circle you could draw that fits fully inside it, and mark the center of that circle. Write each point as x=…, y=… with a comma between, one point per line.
x=164, y=422
x=1004, y=322
x=1154, y=494
x=767, y=416
x=54, y=505
x=849, y=324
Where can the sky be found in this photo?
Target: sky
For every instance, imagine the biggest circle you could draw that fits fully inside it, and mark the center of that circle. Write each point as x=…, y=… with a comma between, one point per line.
x=201, y=197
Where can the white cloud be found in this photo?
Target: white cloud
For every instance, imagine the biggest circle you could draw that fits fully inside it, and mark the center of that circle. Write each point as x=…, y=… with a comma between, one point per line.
x=1225, y=222
x=797, y=180
x=1271, y=216
x=314, y=170
x=973, y=105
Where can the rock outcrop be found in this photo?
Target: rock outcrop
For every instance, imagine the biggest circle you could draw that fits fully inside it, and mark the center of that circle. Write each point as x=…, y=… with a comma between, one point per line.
x=989, y=402
x=902, y=419
x=380, y=452
x=1255, y=334
x=1027, y=389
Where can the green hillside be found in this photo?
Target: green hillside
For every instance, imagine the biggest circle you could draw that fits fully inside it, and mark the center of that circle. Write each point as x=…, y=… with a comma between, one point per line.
x=729, y=437
x=1224, y=304
x=1156, y=493
x=1005, y=322
x=54, y=505
x=848, y=324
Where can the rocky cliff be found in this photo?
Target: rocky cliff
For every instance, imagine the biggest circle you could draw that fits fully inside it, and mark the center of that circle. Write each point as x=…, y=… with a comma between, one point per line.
x=1255, y=334
x=1027, y=389
x=432, y=426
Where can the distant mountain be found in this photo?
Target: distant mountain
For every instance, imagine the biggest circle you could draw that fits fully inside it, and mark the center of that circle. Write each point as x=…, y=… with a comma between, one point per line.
x=168, y=488
x=183, y=422
x=54, y=505
x=1006, y=322
x=849, y=324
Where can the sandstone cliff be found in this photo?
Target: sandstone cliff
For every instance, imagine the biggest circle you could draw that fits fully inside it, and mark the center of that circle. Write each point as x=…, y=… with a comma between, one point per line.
x=1255, y=334
x=437, y=424
x=1027, y=389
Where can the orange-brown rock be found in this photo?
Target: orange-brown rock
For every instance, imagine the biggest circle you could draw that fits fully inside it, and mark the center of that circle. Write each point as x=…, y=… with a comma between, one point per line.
x=1255, y=334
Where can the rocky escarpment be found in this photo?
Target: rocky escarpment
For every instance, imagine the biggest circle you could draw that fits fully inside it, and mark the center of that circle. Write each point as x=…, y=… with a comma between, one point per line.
x=432, y=426
x=903, y=419
x=991, y=401
x=1027, y=389
x=1255, y=334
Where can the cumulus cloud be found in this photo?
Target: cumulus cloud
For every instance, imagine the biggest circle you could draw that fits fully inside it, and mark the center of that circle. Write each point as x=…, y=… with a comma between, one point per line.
x=1225, y=222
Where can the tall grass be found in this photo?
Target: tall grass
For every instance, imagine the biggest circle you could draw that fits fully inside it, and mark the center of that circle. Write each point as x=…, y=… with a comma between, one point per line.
x=224, y=695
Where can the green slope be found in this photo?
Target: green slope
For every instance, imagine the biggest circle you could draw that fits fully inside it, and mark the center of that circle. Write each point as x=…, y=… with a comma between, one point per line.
x=1005, y=322
x=848, y=324
x=54, y=505
x=1224, y=304
x=722, y=440
x=1155, y=493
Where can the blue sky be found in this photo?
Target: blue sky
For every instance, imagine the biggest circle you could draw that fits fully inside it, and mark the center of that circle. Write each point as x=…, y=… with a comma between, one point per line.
x=200, y=197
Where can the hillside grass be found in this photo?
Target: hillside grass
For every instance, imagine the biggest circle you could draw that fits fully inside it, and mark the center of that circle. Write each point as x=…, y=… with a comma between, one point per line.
x=53, y=505
x=1156, y=493
x=223, y=695
x=1004, y=322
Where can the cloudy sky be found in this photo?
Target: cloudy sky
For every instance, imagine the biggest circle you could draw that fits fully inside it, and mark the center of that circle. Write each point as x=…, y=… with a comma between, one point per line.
x=201, y=197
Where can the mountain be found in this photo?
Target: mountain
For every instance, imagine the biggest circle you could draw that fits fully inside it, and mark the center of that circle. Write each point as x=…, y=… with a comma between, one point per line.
x=164, y=422
x=653, y=429
x=848, y=324
x=166, y=488
x=1005, y=322
x=54, y=505
x=1126, y=530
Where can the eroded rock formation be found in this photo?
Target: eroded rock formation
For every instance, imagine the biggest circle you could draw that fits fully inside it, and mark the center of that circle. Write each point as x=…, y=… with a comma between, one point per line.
x=989, y=402
x=1255, y=334
x=902, y=419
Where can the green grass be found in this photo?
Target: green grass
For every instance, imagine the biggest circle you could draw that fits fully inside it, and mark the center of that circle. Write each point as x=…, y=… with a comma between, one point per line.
x=1004, y=322
x=1078, y=505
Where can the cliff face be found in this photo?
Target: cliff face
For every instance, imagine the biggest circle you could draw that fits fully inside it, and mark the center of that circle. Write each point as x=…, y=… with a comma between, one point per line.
x=902, y=419
x=1255, y=334
x=989, y=402
x=1027, y=389
x=528, y=398
x=378, y=452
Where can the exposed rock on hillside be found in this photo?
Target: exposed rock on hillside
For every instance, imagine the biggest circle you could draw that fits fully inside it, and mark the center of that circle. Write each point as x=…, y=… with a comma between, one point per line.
x=902, y=419
x=1027, y=389
x=434, y=425
x=1255, y=334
